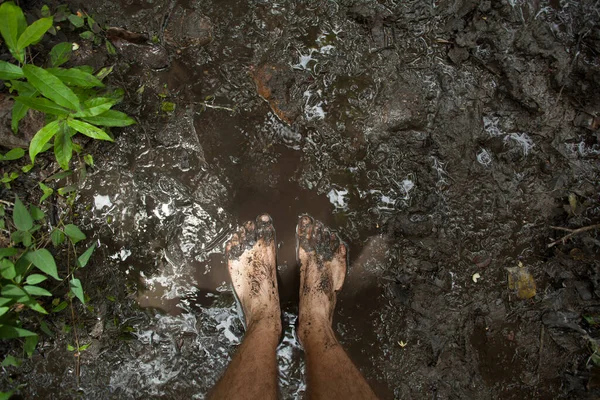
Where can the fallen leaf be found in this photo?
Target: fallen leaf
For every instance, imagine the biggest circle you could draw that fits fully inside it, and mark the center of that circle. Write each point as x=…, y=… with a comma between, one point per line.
x=522, y=281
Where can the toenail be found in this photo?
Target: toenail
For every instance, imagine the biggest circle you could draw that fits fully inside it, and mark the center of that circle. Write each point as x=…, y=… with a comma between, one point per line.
x=305, y=221
x=265, y=218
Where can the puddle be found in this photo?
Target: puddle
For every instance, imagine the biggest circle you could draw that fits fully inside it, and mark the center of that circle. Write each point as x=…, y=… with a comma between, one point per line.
x=422, y=132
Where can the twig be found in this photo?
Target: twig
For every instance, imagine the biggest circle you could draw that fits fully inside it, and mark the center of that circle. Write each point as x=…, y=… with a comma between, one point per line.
x=572, y=233
x=208, y=105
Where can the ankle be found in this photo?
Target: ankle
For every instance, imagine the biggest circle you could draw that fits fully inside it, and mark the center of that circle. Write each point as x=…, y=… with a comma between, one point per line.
x=314, y=330
x=268, y=326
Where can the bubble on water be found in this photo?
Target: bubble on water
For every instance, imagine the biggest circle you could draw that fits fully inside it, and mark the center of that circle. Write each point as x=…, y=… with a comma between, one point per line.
x=101, y=201
x=407, y=186
x=123, y=254
x=338, y=198
x=484, y=158
x=314, y=111
x=305, y=59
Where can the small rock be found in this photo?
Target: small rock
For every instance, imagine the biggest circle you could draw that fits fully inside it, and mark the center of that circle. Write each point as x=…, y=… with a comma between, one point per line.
x=583, y=289
x=135, y=46
x=458, y=55
x=188, y=28
x=522, y=281
x=273, y=83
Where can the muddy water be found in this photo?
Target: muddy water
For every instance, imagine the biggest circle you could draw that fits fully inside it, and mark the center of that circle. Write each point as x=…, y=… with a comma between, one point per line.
x=431, y=135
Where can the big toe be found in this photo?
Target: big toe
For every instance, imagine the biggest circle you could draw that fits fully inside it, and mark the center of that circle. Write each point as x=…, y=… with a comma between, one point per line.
x=304, y=229
x=264, y=228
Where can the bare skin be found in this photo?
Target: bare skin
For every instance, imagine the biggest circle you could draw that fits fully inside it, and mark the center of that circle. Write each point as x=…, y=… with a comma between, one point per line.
x=323, y=262
x=252, y=373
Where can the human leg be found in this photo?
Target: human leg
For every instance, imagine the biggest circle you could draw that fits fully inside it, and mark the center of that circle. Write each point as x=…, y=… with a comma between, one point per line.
x=330, y=372
x=252, y=373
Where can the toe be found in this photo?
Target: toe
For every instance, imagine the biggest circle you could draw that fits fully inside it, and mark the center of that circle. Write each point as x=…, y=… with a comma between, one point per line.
x=264, y=228
x=339, y=269
x=305, y=226
x=342, y=250
x=248, y=236
x=232, y=246
x=318, y=232
x=334, y=242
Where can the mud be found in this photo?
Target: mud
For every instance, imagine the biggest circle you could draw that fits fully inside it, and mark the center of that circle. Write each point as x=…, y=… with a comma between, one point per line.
x=440, y=139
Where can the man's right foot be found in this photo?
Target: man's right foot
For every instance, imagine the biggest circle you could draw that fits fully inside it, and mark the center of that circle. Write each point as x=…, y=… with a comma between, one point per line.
x=323, y=264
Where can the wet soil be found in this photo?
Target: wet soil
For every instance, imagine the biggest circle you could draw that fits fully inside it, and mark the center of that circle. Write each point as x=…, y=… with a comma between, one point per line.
x=440, y=139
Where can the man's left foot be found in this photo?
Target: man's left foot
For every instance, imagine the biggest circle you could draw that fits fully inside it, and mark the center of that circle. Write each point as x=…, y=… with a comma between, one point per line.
x=252, y=267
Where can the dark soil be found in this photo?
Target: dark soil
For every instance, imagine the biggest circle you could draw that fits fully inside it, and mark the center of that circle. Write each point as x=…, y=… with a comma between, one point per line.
x=441, y=140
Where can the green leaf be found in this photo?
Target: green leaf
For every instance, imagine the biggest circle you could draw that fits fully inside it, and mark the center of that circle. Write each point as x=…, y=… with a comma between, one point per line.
x=46, y=329
x=111, y=118
x=27, y=239
x=95, y=106
x=76, y=77
x=61, y=306
x=87, y=35
x=60, y=54
x=42, y=137
x=45, y=11
x=105, y=71
x=58, y=237
x=34, y=279
x=7, y=269
x=43, y=105
x=13, y=291
x=76, y=289
x=36, y=291
x=70, y=347
x=21, y=217
x=6, y=301
x=85, y=68
x=10, y=71
x=14, y=154
x=74, y=233
x=85, y=257
x=4, y=310
x=89, y=130
x=89, y=160
x=24, y=88
x=30, y=344
x=36, y=213
x=19, y=111
x=13, y=24
x=12, y=332
x=47, y=192
x=51, y=87
x=76, y=20
x=9, y=252
x=7, y=395
x=11, y=361
x=110, y=49
x=34, y=32
x=34, y=305
x=63, y=148
x=60, y=175
x=44, y=261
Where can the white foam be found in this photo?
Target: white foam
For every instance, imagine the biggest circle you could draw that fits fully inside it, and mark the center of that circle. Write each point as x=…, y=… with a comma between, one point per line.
x=338, y=198
x=101, y=201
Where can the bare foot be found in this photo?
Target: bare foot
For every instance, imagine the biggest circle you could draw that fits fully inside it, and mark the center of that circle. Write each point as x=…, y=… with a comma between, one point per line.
x=322, y=257
x=251, y=261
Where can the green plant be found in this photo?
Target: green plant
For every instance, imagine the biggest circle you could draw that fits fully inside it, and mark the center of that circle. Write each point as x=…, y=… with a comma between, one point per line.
x=73, y=99
x=25, y=267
